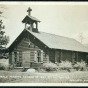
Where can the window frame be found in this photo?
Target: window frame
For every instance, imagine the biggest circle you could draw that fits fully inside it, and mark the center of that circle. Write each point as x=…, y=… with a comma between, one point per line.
x=40, y=56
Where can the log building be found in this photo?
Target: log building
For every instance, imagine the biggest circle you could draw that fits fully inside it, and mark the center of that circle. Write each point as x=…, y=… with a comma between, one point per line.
x=32, y=48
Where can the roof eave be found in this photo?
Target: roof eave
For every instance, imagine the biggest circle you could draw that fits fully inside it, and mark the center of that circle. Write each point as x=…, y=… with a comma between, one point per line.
x=69, y=50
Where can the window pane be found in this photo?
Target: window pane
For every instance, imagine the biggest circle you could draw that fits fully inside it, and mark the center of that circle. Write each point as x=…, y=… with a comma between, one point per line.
x=39, y=59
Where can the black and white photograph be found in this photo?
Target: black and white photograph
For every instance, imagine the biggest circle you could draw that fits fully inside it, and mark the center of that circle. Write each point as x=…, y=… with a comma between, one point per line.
x=43, y=42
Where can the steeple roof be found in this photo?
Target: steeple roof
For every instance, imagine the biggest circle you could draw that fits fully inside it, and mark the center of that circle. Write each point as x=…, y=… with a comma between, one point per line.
x=28, y=18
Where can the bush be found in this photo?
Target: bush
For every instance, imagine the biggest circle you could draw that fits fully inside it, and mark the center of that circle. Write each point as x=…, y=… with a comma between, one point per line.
x=65, y=65
x=49, y=66
x=4, y=65
x=4, y=56
x=80, y=66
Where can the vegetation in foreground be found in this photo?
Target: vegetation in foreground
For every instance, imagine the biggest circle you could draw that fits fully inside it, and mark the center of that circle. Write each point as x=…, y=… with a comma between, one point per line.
x=64, y=72
x=51, y=67
x=66, y=65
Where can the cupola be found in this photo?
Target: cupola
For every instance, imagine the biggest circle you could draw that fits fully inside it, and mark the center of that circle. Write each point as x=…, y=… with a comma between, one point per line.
x=30, y=21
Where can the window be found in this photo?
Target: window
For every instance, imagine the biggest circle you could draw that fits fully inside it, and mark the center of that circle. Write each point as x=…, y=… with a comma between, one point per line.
x=74, y=55
x=16, y=59
x=34, y=25
x=86, y=56
x=39, y=56
x=57, y=56
x=87, y=59
x=15, y=56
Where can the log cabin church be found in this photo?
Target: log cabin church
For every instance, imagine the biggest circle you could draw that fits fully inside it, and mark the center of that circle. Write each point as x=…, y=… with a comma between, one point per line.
x=32, y=48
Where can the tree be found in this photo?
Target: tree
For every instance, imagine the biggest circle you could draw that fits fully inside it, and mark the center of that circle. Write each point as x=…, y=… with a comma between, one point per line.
x=4, y=40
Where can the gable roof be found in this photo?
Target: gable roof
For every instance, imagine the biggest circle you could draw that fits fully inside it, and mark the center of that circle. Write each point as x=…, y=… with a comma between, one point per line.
x=58, y=42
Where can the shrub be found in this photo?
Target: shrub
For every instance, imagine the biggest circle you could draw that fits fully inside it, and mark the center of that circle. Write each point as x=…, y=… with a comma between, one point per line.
x=4, y=65
x=80, y=66
x=49, y=66
x=65, y=65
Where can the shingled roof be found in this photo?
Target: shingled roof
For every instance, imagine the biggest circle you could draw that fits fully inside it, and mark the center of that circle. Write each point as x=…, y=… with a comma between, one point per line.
x=59, y=42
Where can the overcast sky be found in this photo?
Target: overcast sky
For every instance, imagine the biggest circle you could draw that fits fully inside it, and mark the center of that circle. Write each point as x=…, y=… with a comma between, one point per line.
x=66, y=20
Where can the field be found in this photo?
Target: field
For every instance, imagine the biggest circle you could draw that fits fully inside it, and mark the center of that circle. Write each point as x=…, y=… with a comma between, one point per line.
x=25, y=77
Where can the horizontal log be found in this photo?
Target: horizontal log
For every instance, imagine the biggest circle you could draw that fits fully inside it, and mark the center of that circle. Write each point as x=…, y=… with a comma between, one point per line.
x=23, y=49
x=25, y=41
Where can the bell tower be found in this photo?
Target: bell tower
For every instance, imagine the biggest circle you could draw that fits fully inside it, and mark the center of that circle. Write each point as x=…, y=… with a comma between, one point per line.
x=30, y=21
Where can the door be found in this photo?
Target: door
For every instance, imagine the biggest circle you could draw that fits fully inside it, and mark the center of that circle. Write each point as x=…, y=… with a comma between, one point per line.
x=26, y=59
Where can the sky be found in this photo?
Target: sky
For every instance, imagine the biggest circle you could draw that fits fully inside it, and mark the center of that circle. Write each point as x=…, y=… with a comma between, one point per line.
x=69, y=20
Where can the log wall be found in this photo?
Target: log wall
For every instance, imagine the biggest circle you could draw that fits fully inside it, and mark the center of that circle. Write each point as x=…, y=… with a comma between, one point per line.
x=28, y=43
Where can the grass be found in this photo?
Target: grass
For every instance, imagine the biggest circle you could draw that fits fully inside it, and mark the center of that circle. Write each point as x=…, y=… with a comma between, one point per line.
x=24, y=77
x=16, y=76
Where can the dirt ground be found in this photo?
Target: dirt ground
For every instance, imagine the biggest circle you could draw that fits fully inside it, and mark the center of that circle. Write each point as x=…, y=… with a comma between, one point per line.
x=60, y=77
